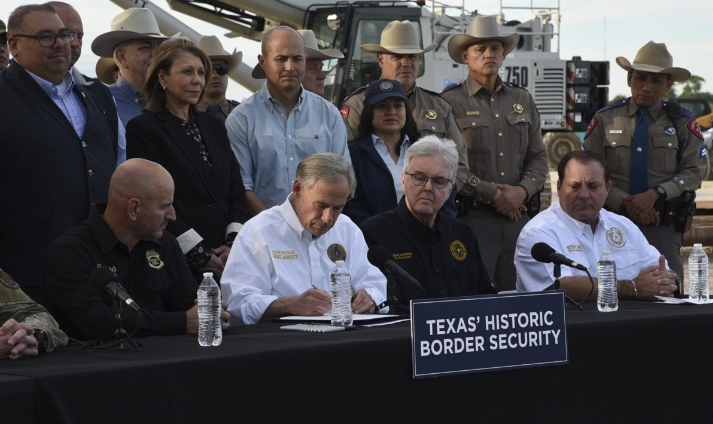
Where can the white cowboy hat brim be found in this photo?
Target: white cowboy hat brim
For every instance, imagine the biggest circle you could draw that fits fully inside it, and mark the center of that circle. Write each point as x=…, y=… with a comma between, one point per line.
x=677, y=74
x=324, y=54
x=103, y=45
x=233, y=60
x=460, y=42
x=375, y=48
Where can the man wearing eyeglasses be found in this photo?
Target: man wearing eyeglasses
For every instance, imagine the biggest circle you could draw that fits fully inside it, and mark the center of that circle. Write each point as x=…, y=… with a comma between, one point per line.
x=214, y=100
x=438, y=250
x=57, y=155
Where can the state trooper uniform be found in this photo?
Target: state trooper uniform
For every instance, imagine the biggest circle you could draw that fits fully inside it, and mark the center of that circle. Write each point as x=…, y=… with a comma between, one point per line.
x=221, y=110
x=502, y=133
x=15, y=304
x=676, y=154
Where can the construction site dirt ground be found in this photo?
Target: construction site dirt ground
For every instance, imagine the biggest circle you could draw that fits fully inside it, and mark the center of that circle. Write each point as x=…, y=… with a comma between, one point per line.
x=701, y=229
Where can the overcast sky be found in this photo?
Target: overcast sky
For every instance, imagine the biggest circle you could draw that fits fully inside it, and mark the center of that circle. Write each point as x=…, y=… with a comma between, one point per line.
x=595, y=30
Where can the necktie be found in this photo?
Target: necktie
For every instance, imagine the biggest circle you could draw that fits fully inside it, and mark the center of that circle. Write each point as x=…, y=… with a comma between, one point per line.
x=638, y=178
x=215, y=110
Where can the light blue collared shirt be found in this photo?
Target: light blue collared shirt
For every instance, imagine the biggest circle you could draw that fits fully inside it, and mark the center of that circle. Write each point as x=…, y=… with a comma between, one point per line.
x=66, y=100
x=269, y=145
x=396, y=168
x=127, y=100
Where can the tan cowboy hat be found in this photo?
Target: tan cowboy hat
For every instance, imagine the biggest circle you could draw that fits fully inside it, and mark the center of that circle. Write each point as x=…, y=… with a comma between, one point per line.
x=311, y=49
x=482, y=28
x=654, y=57
x=398, y=38
x=105, y=70
x=210, y=44
x=132, y=24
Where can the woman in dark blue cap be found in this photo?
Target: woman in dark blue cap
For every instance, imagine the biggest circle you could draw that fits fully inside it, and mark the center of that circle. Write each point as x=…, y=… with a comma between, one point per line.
x=386, y=131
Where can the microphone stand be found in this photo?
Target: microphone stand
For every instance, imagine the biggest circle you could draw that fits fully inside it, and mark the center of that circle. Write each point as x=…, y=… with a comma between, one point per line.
x=119, y=334
x=567, y=299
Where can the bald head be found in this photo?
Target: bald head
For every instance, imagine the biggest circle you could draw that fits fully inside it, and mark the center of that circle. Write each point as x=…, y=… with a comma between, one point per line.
x=139, y=178
x=281, y=31
x=283, y=59
x=71, y=20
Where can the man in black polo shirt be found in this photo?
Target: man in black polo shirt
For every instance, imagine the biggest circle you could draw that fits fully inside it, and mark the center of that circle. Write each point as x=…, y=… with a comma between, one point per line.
x=439, y=251
x=127, y=236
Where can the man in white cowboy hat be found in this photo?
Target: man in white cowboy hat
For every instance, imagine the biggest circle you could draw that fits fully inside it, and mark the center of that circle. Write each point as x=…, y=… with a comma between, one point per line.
x=654, y=149
x=282, y=123
x=314, y=74
x=4, y=51
x=214, y=100
x=73, y=21
x=399, y=56
x=501, y=126
x=132, y=41
x=57, y=150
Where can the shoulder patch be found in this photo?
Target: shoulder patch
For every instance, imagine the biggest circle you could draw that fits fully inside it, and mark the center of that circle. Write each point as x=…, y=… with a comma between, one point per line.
x=344, y=110
x=233, y=102
x=357, y=91
x=694, y=128
x=592, y=124
x=451, y=87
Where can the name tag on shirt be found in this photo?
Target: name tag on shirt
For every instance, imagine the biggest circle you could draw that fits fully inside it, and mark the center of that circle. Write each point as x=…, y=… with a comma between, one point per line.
x=616, y=131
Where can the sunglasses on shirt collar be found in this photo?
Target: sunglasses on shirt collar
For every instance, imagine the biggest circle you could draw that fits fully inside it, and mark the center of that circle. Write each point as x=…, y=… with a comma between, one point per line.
x=221, y=69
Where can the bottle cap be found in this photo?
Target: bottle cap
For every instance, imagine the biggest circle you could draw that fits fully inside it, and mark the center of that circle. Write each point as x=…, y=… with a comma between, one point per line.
x=207, y=274
x=697, y=245
x=339, y=262
x=605, y=252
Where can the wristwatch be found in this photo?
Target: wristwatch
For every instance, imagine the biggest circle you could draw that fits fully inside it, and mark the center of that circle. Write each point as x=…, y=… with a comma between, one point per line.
x=42, y=340
x=473, y=180
x=661, y=192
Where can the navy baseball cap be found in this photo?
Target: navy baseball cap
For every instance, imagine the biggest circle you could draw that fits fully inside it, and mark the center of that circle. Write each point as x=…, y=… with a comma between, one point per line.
x=383, y=89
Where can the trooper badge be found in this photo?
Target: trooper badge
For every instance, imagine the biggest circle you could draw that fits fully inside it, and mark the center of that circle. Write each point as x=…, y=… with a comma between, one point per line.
x=155, y=261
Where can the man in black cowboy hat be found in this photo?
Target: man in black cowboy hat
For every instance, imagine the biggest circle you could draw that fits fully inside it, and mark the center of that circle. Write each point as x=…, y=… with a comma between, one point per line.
x=506, y=155
x=654, y=149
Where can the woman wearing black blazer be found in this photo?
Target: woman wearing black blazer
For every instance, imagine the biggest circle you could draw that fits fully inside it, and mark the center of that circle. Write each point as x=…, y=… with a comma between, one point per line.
x=209, y=195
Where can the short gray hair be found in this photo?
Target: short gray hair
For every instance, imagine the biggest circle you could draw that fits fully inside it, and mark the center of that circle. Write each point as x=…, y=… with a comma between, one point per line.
x=328, y=166
x=431, y=145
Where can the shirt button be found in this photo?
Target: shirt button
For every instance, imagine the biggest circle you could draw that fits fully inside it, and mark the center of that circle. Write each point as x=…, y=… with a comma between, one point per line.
x=492, y=99
x=502, y=174
x=501, y=154
x=292, y=158
x=497, y=115
x=282, y=114
x=474, y=124
x=500, y=134
x=84, y=143
x=90, y=172
x=433, y=128
x=613, y=143
x=669, y=144
x=638, y=149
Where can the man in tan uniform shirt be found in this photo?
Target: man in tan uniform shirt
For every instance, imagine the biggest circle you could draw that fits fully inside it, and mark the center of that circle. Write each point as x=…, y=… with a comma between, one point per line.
x=507, y=158
x=214, y=100
x=674, y=152
x=399, y=56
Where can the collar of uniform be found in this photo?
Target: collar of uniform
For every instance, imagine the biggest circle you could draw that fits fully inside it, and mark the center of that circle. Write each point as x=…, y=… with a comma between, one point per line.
x=410, y=93
x=577, y=227
x=103, y=233
x=420, y=229
x=224, y=106
x=474, y=86
x=655, y=110
x=65, y=86
x=291, y=219
x=127, y=88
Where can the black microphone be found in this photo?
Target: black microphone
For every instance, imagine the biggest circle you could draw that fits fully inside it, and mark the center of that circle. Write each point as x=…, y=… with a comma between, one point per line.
x=104, y=279
x=542, y=252
x=379, y=257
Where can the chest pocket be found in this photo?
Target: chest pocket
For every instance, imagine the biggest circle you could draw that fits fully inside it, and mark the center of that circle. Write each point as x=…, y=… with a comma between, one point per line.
x=475, y=130
x=427, y=126
x=617, y=151
x=519, y=130
x=665, y=153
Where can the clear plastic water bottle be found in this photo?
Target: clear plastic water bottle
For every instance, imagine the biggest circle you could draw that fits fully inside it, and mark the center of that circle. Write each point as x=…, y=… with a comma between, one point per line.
x=209, y=330
x=698, y=274
x=340, y=287
x=607, y=299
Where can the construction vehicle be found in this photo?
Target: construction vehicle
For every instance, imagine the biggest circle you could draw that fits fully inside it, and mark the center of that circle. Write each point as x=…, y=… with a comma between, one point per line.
x=567, y=92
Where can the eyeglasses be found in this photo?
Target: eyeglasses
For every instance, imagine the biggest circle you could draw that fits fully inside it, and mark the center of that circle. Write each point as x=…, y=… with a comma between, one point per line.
x=221, y=69
x=47, y=39
x=419, y=179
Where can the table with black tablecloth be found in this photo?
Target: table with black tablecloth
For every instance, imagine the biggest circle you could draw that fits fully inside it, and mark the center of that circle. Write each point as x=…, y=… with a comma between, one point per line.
x=627, y=366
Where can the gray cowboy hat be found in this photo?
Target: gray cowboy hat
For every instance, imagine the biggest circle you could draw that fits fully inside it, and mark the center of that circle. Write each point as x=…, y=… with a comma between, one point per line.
x=211, y=46
x=311, y=49
x=398, y=38
x=654, y=57
x=482, y=28
x=132, y=24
